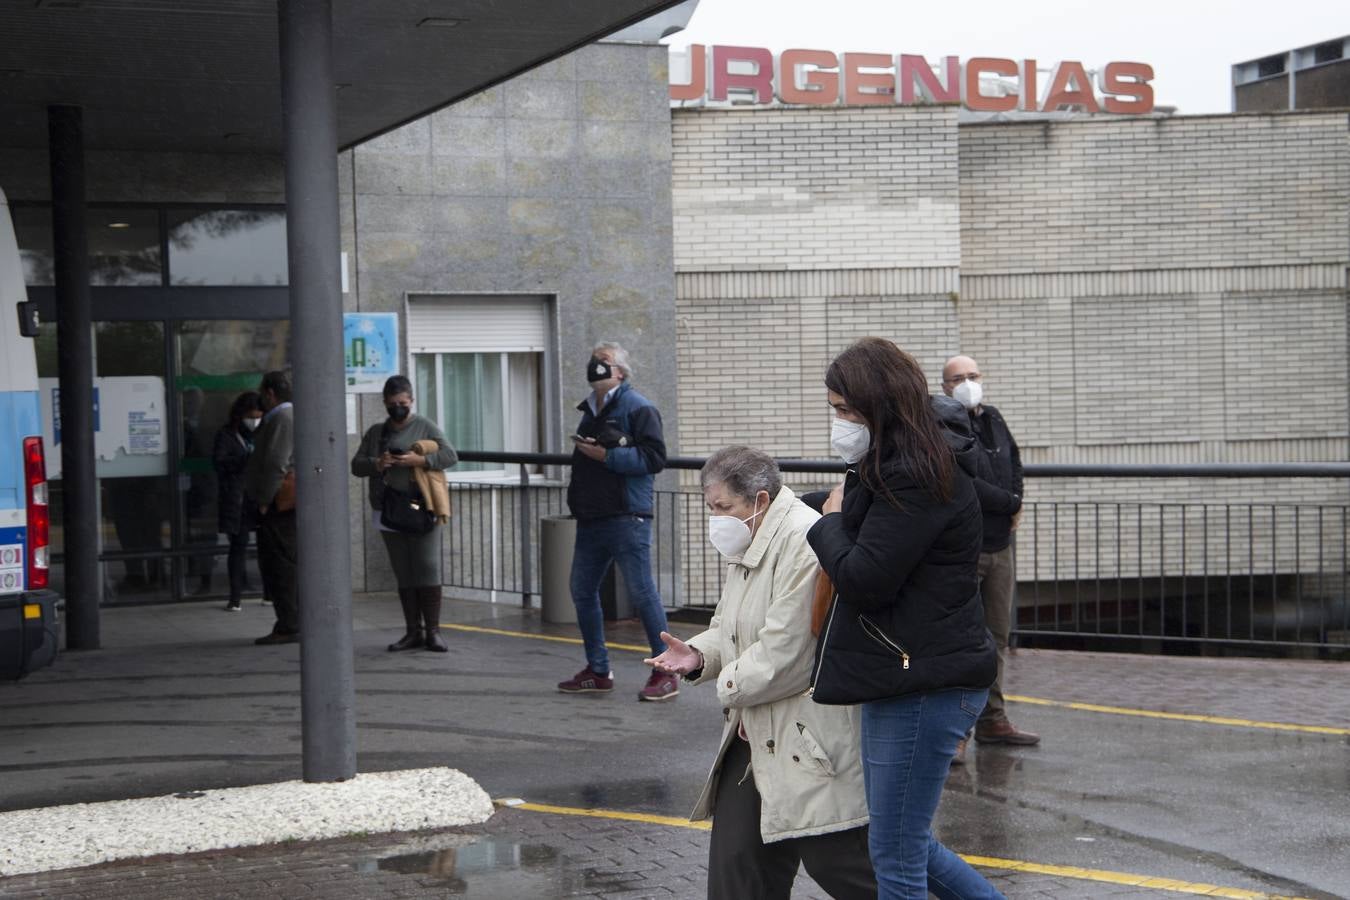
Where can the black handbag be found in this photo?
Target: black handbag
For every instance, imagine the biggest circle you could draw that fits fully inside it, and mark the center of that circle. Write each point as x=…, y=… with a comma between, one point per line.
x=405, y=512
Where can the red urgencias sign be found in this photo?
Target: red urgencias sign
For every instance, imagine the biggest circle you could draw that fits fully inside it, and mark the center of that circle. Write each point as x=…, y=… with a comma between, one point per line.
x=756, y=76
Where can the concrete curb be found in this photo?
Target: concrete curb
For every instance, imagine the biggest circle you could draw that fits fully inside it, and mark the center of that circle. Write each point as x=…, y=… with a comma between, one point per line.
x=85, y=834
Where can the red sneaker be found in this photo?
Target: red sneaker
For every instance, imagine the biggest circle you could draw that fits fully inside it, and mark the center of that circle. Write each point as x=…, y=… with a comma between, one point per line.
x=587, y=681
x=660, y=687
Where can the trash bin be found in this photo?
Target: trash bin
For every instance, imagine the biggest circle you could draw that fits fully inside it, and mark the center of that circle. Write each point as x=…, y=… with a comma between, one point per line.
x=614, y=596
x=558, y=535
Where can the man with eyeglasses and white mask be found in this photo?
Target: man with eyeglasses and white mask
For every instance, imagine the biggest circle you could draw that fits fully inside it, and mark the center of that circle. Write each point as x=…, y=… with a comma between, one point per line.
x=999, y=487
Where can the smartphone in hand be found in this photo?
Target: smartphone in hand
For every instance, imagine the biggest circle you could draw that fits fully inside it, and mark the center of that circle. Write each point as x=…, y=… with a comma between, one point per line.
x=582, y=440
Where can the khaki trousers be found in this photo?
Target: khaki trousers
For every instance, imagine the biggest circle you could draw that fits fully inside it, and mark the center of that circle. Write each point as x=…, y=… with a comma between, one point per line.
x=996, y=587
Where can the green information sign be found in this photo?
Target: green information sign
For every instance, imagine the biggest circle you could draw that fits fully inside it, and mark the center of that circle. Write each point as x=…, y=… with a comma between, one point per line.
x=370, y=345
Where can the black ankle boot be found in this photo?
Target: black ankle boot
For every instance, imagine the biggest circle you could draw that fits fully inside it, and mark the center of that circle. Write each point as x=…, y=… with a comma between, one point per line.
x=412, y=639
x=430, y=600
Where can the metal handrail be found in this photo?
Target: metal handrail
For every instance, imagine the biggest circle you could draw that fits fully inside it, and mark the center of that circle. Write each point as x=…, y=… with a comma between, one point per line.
x=1033, y=470
x=693, y=463
x=1143, y=595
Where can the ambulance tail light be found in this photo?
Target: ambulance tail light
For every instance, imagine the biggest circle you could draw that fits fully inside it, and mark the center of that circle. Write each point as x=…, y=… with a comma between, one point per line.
x=39, y=516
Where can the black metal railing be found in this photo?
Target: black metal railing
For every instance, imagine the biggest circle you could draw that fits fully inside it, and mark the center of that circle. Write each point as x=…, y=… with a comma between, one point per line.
x=1242, y=572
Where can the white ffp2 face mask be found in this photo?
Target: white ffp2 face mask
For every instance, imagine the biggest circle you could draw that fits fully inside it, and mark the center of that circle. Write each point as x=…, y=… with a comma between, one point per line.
x=850, y=440
x=968, y=394
x=252, y=424
x=731, y=536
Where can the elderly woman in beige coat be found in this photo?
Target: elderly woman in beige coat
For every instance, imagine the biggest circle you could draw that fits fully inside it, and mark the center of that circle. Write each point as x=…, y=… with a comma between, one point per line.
x=786, y=785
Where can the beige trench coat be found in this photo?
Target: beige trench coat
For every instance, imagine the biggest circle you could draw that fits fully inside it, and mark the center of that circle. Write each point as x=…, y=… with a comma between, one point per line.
x=759, y=650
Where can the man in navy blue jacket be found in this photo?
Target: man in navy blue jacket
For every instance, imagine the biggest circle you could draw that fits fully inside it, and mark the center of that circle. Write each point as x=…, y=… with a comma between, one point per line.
x=618, y=448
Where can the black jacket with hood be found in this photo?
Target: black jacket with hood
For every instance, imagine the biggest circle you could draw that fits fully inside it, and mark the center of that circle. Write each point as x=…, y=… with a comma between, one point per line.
x=906, y=578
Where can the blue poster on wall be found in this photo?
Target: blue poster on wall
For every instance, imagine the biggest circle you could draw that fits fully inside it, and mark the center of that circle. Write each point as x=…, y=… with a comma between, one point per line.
x=370, y=344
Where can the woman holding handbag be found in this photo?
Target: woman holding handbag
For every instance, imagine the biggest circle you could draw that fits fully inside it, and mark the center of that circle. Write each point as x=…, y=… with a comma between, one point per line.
x=905, y=636
x=398, y=456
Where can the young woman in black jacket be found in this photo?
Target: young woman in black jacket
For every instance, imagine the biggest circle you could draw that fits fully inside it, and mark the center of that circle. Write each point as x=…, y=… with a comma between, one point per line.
x=229, y=455
x=900, y=540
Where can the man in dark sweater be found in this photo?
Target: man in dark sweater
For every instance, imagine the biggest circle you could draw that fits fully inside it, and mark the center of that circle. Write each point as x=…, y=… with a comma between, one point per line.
x=999, y=487
x=272, y=458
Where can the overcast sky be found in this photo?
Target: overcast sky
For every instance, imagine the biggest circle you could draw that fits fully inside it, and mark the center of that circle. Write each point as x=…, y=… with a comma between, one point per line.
x=1189, y=43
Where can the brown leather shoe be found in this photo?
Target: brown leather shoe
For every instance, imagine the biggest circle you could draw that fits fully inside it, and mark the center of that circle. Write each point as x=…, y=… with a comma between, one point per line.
x=1004, y=732
x=960, y=758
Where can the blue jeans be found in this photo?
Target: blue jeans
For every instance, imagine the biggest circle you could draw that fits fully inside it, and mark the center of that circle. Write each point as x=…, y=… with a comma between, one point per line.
x=627, y=541
x=908, y=743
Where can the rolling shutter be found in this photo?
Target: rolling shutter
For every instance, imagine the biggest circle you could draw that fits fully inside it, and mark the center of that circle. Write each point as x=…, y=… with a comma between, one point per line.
x=477, y=323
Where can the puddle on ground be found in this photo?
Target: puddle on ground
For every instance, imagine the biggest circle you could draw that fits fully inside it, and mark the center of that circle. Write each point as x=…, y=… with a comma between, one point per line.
x=498, y=868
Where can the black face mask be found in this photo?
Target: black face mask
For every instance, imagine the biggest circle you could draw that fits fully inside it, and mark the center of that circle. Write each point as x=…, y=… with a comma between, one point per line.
x=398, y=413
x=598, y=370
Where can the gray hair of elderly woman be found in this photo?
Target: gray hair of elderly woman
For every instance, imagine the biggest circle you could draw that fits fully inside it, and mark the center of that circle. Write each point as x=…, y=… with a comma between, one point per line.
x=744, y=470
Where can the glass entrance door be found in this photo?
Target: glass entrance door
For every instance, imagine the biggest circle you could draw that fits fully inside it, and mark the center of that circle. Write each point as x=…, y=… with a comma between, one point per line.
x=214, y=362
x=189, y=306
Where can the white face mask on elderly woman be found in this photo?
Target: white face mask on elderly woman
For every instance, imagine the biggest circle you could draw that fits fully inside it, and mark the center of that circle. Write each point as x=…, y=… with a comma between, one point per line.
x=731, y=536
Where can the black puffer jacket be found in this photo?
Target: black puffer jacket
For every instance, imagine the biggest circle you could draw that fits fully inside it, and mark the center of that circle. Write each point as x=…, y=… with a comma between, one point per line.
x=906, y=579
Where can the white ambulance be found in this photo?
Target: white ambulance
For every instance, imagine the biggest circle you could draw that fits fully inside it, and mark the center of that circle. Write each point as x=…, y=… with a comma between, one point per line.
x=29, y=623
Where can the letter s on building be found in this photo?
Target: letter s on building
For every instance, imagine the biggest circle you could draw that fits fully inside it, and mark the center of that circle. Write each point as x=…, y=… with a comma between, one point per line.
x=1137, y=88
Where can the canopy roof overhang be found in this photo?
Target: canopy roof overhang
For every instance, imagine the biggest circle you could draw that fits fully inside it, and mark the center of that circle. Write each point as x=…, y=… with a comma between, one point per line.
x=204, y=75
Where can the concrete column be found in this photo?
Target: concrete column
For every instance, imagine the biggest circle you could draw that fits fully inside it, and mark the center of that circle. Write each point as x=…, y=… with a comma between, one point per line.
x=75, y=367
x=309, y=108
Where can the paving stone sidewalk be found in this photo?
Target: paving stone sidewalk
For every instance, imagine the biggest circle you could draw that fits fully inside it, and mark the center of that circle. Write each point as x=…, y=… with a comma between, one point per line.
x=187, y=679
x=516, y=855
x=1298, y=692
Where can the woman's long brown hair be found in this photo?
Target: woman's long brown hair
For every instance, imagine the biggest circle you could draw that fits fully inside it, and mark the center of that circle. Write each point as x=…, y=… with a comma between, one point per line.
x=886, y=386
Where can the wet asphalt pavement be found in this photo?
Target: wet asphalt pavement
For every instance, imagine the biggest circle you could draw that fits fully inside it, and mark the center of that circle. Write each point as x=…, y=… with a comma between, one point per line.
x=180, y=699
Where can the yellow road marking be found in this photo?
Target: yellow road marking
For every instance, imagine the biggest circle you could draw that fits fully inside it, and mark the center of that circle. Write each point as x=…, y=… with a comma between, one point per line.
x=542, y=637
x=989, y=862
x=1106, y=876
x=672, y=821
x=1016, y=698
x=1179, y=717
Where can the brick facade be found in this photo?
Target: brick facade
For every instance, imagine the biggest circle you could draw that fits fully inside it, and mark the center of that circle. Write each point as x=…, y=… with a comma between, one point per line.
x=796, y=231
x=1135, y=290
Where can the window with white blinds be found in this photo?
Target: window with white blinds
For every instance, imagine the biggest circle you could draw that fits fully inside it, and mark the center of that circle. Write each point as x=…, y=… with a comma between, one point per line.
x=477, y=362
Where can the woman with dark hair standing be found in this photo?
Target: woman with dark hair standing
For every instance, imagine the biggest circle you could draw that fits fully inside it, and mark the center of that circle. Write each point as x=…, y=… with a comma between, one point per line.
x=234, y=517
x=905, y=637
x=389, y=455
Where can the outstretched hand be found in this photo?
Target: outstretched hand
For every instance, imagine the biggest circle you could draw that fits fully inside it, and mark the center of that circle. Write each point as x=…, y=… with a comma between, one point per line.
x=678, y=659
